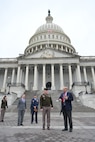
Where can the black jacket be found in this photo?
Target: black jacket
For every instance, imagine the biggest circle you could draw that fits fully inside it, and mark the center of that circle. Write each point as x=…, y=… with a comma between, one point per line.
x=4, y=104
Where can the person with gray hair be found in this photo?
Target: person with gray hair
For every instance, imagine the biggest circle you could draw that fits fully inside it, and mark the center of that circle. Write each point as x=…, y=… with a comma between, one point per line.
x=21, y=109
x=66, y=98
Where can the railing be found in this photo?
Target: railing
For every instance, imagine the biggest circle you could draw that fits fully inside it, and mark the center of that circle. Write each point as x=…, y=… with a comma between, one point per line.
x=16, y=84
x=85, y=84
x=81, y=84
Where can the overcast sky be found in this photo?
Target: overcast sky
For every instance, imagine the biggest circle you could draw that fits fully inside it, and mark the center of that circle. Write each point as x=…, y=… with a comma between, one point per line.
x=19, y=19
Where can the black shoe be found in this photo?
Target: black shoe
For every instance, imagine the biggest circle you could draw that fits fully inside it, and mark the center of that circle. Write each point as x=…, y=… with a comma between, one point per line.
x=21, y=124
x=48, y=128
x=43, y=128
x=70, y=130
x=65, y=129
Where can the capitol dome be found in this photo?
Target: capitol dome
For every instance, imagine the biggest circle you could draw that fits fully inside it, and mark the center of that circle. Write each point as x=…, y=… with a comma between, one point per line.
x=51, y=34
x=49, y=26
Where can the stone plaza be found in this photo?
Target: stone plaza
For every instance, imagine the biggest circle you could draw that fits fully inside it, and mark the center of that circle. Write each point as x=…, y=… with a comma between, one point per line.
x=83, y=128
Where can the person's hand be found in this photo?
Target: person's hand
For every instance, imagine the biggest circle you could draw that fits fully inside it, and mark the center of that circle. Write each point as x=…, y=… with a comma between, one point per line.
x=60, y=100
x=66, y=97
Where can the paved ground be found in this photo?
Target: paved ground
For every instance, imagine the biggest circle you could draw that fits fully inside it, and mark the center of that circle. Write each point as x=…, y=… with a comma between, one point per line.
x=84, y=129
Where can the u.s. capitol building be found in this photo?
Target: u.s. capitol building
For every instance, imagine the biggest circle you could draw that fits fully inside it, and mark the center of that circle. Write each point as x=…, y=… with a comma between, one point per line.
x=51, y=61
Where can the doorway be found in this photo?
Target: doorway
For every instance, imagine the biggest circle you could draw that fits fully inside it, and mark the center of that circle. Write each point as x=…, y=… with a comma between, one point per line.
x=48, y=85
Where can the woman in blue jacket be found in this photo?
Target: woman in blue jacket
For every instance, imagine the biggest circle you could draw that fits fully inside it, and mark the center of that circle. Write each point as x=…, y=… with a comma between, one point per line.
x=34, y=109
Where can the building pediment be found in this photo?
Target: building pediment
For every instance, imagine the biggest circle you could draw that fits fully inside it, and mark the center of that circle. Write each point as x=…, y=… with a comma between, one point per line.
x=49, y=53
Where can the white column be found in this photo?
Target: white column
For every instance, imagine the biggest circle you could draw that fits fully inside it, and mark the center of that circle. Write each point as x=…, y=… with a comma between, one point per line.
x=78, y=73
x=5, y=79
x=44, y=75
x=56, y=46
x=61, y=47
x=93, y=76
x=23, y=76
x=35, y=78
x=70, y=77
x=13, y=74
x=18, y=75
x=85, y=74
x=26, y=77
x=36, y=48
x=51, y=45
x=40, y=46
x=61, y=77
x=32, y=49
x=52, y=77
x=66, y=49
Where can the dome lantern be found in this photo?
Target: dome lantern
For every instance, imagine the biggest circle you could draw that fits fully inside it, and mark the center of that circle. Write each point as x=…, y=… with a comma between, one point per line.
x=49, y=18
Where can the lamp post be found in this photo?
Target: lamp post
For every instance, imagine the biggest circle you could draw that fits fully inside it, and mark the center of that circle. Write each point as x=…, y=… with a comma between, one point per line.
x=86, y=88
x=9, y=84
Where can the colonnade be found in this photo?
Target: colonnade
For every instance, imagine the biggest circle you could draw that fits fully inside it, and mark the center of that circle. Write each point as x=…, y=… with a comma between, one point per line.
x=19, y=74
x=52, y=46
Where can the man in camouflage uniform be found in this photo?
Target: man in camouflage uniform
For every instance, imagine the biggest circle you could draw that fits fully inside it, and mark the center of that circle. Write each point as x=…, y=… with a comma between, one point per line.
x=46, y=104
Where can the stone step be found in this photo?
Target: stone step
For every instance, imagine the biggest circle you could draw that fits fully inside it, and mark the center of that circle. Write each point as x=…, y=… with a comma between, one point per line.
x=77, y=105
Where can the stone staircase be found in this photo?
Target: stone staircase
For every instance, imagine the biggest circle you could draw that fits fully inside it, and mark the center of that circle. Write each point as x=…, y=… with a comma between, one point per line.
x=77, y=105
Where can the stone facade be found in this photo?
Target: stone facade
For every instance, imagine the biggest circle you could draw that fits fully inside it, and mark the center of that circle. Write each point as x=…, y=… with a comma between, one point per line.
x=48, y=61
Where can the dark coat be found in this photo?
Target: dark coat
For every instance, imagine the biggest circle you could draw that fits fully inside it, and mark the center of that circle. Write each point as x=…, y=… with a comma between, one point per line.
x=46, y=101
x=34, y=102
x=4, y=104
x=67, y=105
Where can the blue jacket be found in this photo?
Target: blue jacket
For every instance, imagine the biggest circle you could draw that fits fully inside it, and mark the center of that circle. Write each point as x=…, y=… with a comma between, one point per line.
x=67, y=105
x=34, y=102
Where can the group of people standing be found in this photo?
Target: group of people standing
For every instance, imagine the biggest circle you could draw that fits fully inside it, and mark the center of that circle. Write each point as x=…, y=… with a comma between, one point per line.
x=46, y=104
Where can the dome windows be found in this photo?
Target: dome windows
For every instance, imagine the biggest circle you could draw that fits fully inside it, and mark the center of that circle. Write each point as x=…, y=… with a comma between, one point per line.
x=52, y=36
x=44, y=36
